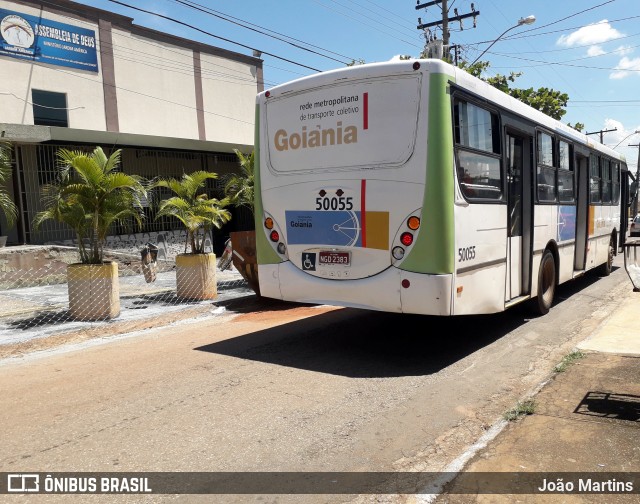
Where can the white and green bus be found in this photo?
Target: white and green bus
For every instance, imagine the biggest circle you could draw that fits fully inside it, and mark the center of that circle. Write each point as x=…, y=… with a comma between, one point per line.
x=414, y=187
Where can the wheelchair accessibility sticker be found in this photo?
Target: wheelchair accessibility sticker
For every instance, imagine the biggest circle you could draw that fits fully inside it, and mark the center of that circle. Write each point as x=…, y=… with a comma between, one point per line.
x=309, y=261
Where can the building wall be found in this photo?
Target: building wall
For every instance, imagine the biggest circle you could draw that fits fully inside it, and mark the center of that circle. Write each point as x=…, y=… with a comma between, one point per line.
x=226, y=85
x=83, y=89
x=148, y=82
x=157, y=79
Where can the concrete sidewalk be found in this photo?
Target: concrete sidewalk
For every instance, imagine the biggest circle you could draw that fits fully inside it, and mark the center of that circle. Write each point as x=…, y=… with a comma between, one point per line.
x=585, y=425
x=36, y=318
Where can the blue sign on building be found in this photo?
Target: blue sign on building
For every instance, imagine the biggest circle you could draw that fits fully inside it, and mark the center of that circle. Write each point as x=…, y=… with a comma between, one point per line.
x=37, y=39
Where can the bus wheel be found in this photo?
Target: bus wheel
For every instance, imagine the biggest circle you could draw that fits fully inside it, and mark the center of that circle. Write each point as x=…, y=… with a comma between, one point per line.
x=605, y=269
x=546, y=283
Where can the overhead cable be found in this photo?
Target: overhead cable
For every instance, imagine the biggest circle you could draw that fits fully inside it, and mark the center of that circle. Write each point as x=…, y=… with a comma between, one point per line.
x=169, y=18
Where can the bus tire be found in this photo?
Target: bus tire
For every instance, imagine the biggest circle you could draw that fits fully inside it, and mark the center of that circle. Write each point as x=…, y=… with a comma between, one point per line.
x=606, y=268
x=546, y=283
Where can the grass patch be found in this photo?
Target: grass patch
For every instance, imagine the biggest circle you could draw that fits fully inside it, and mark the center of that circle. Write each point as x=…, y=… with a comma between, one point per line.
x=567, y=360
x=523, y=408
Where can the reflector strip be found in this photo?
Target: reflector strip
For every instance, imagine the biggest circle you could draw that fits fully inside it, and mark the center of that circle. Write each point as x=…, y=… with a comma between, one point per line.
x=363, y=219
x=365, y=111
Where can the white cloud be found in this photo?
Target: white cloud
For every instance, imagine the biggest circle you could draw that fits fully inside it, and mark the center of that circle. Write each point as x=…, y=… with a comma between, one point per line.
x=595, y=33
x=621, y=138
x=624, y=50
x=596, y=50
x=625, y=68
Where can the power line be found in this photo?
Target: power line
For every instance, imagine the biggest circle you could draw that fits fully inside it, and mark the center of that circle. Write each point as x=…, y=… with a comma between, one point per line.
x=405, y=26
x=567, y=17
x=366, y=24
x=569, y=48
x=42, y=65
x=623, y=49
x=212, y=35
x=520, y=35
x=272, y=31
x=544, y=63
x=390, y=12
x=185, y=65
x=211, y=12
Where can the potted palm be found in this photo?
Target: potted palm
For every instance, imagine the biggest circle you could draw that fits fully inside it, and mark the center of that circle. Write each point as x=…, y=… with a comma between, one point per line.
x=90, y=195
x=6, y=203
x=196, y=268
x=239, y=191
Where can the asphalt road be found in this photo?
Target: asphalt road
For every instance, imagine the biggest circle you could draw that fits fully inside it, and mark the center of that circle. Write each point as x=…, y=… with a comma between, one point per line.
x=269, y=386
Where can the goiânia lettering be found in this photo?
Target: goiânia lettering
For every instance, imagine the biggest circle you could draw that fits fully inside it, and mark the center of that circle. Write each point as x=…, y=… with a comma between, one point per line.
x=319, y=137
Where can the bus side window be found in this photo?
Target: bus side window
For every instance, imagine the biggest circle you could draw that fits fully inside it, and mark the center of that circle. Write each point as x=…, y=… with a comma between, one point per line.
x=594, y=179
x=615, y=182
x=566, y=182
x=476, y=134
x=466, y=182
x=606, y=180
x=546, y=179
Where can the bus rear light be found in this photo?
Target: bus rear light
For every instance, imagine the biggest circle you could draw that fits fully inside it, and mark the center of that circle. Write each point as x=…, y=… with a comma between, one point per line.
x=459, y=289
x=416, y=65
x=268, y=223
x=406, y=239
x=398, y=253
x=413, y=223
x=267, y=94
x=274, y=236
x=282, y=248
x=406, y=283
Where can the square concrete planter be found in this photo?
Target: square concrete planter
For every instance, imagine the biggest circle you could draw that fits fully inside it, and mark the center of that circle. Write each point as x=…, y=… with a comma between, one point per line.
x=94, y=291
x=196, y=276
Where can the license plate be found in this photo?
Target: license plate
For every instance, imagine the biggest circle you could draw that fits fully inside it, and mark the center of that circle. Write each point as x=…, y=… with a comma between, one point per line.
x=335, y=258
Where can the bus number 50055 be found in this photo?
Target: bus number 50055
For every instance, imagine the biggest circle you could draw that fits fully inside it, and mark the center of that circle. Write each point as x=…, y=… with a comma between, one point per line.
x=466, y=253
x=334, y=203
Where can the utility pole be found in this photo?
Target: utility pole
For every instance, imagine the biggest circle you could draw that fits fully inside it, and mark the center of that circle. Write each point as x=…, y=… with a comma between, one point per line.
x=601, y=133
x=444, y=22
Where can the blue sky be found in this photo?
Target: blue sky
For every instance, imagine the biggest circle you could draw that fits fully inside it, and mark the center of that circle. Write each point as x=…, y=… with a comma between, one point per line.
x=589, y=49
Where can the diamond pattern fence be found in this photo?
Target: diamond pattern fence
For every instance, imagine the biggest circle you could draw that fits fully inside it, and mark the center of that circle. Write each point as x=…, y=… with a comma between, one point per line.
x=36, y=300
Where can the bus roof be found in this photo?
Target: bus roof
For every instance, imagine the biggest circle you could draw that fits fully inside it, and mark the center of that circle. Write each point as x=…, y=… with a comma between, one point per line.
x=461, y=78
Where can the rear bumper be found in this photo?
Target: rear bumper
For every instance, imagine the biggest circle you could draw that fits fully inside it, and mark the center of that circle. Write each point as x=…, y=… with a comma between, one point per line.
x=423, y=294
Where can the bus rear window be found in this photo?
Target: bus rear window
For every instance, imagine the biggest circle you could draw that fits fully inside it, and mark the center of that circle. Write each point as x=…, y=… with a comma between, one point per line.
x=358, y=124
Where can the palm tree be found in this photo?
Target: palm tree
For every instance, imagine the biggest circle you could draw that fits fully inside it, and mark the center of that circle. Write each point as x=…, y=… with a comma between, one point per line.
x=238, y=188
x=195, y=209
x=7, y=205
x=239, y=191
x=91, y=196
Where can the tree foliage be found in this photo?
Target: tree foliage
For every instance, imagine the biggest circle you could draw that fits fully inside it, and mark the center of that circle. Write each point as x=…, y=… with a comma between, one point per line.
x=91, y=195
x=238, y=187
x=7, y=205
x=193, y=207
x=546, y=100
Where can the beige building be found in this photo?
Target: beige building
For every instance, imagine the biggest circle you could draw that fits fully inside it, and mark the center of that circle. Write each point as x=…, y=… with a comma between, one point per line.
x=76, y=76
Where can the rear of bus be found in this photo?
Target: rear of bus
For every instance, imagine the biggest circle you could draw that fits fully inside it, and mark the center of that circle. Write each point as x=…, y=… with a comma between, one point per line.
x=354, y=188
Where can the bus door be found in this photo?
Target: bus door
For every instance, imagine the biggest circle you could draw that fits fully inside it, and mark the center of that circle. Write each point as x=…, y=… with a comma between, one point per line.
x=519, y=218
x=582, y=212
